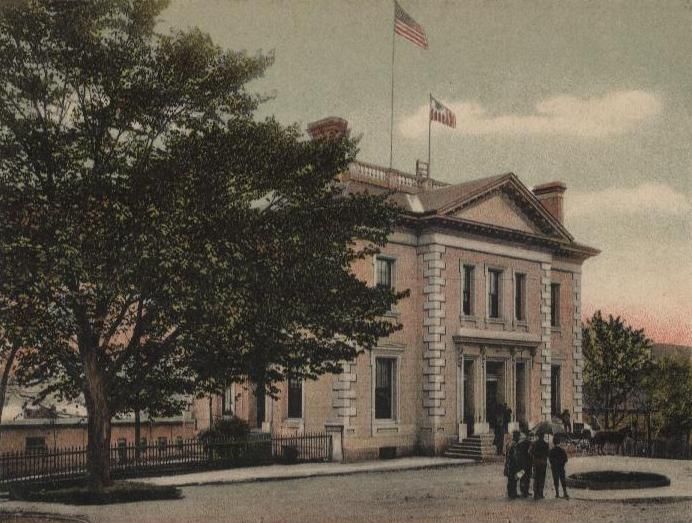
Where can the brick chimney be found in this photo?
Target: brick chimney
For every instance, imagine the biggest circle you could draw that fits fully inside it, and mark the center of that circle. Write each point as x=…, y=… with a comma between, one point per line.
x=328, y=128
x=550, y=195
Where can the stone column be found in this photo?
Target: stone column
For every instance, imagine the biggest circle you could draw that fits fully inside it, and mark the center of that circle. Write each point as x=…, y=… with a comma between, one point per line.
x=461, y=384
x=578, y=367
x=512, y=403
x=510, y=388
x=481, y=425
x=336, y=432
x=344, y=395
x=545, y=355
x=431, y=257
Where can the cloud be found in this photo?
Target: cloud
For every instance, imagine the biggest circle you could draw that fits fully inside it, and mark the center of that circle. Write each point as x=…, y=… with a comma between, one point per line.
x=646, y=198
x=614, y=113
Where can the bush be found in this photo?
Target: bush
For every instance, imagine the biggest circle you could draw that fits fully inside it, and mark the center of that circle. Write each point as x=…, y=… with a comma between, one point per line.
x=119, y=492
x=223, y=429
x=290, y=455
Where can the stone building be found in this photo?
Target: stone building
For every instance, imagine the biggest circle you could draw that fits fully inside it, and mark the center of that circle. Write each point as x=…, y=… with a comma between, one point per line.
x=493, y=317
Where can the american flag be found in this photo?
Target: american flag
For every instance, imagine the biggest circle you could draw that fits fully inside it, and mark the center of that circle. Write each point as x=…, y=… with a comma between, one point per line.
x=407, y=27
x=442, y=114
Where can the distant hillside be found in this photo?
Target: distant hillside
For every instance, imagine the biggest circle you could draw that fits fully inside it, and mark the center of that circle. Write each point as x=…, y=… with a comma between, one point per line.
x=661, y=350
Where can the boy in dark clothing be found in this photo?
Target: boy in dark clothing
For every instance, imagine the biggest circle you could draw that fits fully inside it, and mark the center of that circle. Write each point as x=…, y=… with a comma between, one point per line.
x=539, y=452
x=511, y=466
x=558, y=460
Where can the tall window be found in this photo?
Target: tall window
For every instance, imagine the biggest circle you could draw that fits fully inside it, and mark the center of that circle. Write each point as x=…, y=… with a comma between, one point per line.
x=555, y=304
x=494, y=293
x=520, y=297
x=384, y=271
x=555, y=408
x=295, y=398
x=227, y=400
x=467, y=291
x=384, y=388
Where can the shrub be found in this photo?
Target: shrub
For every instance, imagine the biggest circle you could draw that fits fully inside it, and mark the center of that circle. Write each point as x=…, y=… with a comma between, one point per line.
x=119, y=492
x=232, y=428
x=290, y=455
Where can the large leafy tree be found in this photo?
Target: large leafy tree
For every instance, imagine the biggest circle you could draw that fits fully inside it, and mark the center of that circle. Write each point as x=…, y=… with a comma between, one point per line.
x=167, y=239
x=672, y=396
x=616, y=358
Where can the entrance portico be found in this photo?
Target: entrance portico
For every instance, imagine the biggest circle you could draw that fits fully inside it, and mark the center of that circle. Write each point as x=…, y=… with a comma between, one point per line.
x=493, y=368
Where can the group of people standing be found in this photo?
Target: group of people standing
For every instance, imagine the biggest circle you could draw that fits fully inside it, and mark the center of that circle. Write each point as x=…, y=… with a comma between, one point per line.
x=525, y=459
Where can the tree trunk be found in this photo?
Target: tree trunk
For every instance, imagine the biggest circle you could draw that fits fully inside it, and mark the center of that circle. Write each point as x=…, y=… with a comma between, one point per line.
x=98, y=423
x=6, y=377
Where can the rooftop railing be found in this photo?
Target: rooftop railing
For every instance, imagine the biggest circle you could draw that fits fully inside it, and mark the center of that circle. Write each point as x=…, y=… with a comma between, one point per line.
x=391, y=178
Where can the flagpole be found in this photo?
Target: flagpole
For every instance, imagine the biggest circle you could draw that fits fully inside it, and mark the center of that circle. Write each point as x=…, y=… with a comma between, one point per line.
x=391, y=114
x=429, y=130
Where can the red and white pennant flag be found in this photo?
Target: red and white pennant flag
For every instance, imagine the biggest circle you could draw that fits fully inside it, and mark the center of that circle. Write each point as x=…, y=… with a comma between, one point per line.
x=442, y=114
x=407, y=27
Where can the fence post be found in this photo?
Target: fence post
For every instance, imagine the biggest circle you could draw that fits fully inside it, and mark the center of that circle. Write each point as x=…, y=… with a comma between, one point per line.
x=336, y=431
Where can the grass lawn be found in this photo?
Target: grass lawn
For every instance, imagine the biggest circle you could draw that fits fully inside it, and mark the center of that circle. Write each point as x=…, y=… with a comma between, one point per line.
x=119, y=492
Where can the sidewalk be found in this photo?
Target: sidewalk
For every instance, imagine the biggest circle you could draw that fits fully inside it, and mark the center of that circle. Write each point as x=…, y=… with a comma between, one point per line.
x=304, y=470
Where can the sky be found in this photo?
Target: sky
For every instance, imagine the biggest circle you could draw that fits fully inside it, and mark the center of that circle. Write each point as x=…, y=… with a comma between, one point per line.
x=595, y=94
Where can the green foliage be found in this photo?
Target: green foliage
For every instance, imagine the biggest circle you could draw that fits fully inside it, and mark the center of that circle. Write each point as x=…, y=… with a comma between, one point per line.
x=156, y=237
x=672, y=396
x=222, y=429
x=119, y=492
x=616, y=357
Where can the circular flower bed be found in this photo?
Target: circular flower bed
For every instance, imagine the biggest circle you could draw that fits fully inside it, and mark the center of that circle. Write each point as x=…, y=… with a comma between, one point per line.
x=613, y=480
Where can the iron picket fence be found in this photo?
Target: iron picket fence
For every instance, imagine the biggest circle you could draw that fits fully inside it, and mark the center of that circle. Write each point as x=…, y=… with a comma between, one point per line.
x=163, y=457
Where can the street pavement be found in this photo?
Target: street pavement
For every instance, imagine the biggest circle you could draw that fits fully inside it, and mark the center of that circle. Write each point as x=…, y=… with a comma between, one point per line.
x=467, y=493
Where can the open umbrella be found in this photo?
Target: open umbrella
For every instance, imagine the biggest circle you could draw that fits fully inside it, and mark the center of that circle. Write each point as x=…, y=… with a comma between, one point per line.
x=549, y=427
x=544, y=427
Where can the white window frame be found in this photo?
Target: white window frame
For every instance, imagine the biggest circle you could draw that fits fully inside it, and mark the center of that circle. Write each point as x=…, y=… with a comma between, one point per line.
x=558, y=315
x=474, y=277
x=524, y=300
x=501, y=317
x=392, y=353
x=393, y=260
x=302, y=402
x=384, y=257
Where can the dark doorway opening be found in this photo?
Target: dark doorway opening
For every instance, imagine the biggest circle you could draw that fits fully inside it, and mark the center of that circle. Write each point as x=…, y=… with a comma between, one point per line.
x=491, y=400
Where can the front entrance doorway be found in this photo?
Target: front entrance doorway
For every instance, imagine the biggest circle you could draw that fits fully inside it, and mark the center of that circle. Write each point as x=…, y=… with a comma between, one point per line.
x=491, y=400
x=494, y=391
x=468, y=411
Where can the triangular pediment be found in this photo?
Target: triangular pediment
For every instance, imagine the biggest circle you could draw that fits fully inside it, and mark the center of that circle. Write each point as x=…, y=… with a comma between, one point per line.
x=498, y=209
x=507, y=204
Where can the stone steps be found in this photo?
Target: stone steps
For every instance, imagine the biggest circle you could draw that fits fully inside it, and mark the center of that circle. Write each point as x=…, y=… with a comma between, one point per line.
x=478, y=447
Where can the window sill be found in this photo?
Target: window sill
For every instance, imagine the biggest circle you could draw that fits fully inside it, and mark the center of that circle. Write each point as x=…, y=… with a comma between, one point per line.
x=386, y=426
x=392, y=314
x=293, y=423
x=556, y=329
x=469, y=317
x=499, y=321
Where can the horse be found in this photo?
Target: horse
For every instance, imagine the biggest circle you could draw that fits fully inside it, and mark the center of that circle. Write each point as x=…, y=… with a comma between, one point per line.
x=612, y=437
